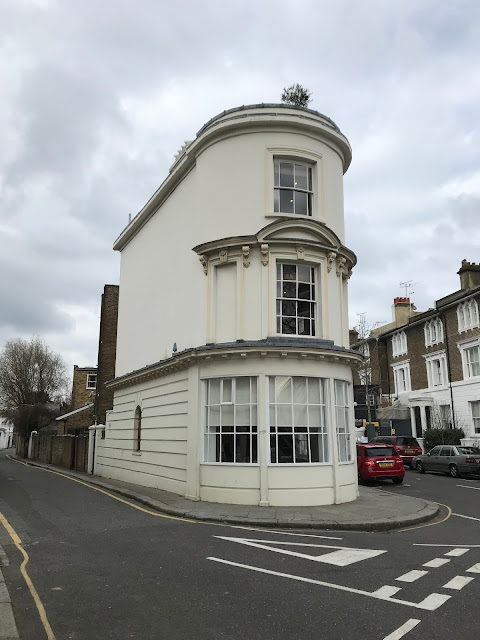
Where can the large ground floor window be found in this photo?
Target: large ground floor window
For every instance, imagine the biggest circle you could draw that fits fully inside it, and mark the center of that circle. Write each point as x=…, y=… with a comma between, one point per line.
x=231, y=420
x=342, y=410
x=298, y=423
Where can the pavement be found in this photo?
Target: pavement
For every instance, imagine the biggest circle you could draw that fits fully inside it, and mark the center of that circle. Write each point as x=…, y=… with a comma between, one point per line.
x=374, y=510
x=8, y=628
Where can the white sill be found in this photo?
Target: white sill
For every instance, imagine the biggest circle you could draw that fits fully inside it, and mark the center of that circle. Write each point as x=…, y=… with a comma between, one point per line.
x=136, y=453
x=299, y=464
x=296, y=335
x=229, y=464
x=344, y=463
x=296, y=216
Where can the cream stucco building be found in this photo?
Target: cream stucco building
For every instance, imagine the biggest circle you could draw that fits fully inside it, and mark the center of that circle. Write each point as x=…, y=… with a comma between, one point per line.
x=233, y=372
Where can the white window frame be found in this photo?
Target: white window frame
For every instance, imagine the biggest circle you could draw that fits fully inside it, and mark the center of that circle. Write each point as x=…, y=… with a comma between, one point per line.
x=342, y=421
x=298, y=156
x=475, y=409
x=433, y=330
x=278, y=188
x=466, y=354
x=315, y=271
x=467, y=315
x=89, y=384
x=436, y=363
x=401, y=372
x=399, y=344
x=445, y=414
x=308, y=431
x=227, y=398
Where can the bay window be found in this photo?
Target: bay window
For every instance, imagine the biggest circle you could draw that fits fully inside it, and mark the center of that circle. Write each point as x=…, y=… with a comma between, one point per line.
x=295, y=300
x=342, y=413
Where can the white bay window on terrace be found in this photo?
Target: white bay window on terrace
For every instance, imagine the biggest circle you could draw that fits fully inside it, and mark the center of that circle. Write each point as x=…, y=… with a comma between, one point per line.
x=292, y=188
x=298, y=421
x=295, y=302
x=231, y=420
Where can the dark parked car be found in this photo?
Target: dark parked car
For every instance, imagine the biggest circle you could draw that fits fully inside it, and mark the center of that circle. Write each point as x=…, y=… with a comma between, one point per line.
x=454, y=460
x=406, y=446
x=379, y=461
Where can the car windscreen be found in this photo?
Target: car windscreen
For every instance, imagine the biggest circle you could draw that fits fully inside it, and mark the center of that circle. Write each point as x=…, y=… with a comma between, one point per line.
x=407, y=442
x=466, y=451
x=374, y=452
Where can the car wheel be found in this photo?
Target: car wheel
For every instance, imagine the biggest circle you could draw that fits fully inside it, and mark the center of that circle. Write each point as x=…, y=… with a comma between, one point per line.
x=398, y=480
x=419, y=466
x=453, y=471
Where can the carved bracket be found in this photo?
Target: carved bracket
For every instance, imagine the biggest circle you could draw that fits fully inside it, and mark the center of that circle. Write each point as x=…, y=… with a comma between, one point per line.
x=342, y=267
x=223, y=255
x=203, y=259
x=300, y=253
x=330, y=260
x=246, y=255
x=264, y=252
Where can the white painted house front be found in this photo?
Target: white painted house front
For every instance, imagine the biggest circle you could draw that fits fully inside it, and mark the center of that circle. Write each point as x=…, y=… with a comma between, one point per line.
x=233, y=372
x=6, y=434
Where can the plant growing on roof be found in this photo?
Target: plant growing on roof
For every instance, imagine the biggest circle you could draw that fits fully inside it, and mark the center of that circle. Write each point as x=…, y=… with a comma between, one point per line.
x=296, y=95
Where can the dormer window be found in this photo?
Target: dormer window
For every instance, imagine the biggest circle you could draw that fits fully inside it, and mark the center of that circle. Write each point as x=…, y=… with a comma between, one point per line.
x=433, y=330
x=467, y=314
x=399, y=343
x=292, y=188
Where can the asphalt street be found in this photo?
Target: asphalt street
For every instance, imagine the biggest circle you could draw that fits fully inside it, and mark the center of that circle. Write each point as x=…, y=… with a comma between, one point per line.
x=109, y=568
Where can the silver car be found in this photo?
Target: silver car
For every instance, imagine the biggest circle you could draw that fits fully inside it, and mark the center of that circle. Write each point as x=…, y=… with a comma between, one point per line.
x=454, y=460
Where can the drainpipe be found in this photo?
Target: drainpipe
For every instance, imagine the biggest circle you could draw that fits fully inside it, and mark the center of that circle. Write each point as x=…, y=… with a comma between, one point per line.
x=447, y=353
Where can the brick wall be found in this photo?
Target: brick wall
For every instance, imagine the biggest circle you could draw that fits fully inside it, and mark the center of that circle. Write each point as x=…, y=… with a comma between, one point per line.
x=453, y=336
x=80, y=394
x=107, y=347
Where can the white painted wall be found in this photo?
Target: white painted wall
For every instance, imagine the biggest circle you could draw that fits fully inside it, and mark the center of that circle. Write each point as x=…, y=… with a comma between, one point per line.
x=6, y=434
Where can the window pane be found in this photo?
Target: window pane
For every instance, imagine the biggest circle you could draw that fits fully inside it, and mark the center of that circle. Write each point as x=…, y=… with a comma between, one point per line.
x=289, y=308
x=284, y=415
x=242, y=394
x=227, y=415
x=289, y=289
x=301, y=448
x=315, y=447
x=314, y=417
x=273, y=420
x=227, y=448
x=289, y=272
x=253, y=390
x=305, y=291
x=301, y=177
x=285, y=448
x=242, y=414
x=286, y=201
x=273, y=449
x=283, y=389
x=300, y=415
x=289, y=325
x=304, y=273
x=276, y=173
x=286, y=174
x=305, y=309
x=276, y=201
x=213, y=391
x=242, y=449
x=299, y=390
x=301, y=203
x=305, y=328
x=214, y=417
x=254, y=449
x=227, y=390
x=313, y=391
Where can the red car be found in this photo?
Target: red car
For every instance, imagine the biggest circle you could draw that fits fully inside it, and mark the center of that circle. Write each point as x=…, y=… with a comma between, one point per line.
x=406, y=446
x=379, y=461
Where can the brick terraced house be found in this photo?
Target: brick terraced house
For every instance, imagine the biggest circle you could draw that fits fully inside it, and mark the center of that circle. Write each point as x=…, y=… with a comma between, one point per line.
x=430, y=361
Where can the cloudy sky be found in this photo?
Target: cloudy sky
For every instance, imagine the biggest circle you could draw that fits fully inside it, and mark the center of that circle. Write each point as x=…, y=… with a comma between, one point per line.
x=97, y=97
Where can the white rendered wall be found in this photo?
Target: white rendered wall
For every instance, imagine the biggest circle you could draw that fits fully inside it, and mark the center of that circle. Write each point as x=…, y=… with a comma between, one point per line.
x=163, y=290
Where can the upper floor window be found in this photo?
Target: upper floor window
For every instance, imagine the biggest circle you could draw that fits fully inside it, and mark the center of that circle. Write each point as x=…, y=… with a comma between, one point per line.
x=470, y=352
x=467, y=314
x=295, y=302
x=92, y=381
x=231, y=420
x=292, y=188
x=399, y=343
x=401, y=377
x=436, y=369
x=433, y=330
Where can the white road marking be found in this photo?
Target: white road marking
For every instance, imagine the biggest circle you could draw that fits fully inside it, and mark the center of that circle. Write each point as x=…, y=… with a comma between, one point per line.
x=467, y=517
x=436, y=562
x=456, y=552
x=387, y=591
x=474, y=569
x=457, y=583
x=341, y=557
x=285, y=533
x=411, y=576
x=466, y=486
x=427, y=544
x=430, y=603
x=404, y=629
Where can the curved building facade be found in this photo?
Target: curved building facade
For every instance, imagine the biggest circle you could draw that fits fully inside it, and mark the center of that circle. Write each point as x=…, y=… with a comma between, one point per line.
x=233, y=373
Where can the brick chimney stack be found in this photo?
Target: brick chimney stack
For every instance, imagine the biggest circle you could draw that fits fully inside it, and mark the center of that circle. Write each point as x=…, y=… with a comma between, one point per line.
x=469, y=275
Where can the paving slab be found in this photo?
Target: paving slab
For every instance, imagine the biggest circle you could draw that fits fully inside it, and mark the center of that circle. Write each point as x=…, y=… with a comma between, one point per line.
x=374, y=509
